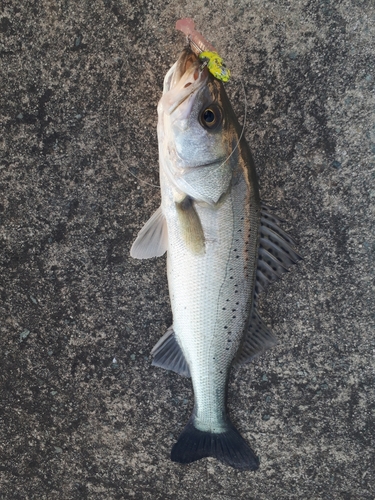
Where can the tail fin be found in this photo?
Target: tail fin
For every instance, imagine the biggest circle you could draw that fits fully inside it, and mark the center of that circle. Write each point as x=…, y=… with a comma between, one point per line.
x=229, y=447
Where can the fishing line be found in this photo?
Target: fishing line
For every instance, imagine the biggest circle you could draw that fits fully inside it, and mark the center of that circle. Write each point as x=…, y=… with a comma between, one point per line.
x=243, y=126
x=244, y=123
x=114, y=147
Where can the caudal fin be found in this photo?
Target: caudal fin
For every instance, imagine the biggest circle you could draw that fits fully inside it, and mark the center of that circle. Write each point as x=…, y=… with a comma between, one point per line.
x=229, y=447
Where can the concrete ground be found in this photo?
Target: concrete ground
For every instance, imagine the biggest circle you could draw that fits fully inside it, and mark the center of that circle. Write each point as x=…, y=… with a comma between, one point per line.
x=83, y=413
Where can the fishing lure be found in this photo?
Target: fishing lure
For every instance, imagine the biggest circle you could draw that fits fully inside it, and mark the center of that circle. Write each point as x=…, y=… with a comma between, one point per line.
x=204, y=50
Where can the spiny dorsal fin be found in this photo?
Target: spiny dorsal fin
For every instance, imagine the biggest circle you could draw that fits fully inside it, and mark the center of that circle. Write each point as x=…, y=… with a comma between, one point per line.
x=257, y=339
x=191, y=227
x=167, y=354
x=152, y=239
x=275, y=256
x=276, y=253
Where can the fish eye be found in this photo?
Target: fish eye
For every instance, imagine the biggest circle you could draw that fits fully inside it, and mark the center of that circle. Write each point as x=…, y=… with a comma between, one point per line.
x=210, y=117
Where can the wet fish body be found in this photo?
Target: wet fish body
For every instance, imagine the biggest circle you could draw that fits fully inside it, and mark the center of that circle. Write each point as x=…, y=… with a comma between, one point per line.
x=223, y=248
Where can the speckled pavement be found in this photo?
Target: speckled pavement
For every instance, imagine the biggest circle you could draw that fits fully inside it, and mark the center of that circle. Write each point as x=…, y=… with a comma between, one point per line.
x=83, y=415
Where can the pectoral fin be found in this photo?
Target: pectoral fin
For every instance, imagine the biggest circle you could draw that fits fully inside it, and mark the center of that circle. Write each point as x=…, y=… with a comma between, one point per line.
x=152, y=239
x=191, y=227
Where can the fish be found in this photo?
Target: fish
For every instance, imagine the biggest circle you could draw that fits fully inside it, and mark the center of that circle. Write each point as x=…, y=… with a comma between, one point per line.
x=224, y=247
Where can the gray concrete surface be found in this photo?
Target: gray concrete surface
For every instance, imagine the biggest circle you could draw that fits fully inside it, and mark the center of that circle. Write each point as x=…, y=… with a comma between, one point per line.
x=80, y=82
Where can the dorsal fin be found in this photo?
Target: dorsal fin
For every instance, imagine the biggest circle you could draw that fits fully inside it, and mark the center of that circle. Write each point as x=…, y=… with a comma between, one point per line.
x=275, y=256
x=257, y=339
x=276, y=253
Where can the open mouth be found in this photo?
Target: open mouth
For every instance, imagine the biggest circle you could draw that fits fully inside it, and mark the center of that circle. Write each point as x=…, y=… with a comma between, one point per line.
x=184, y=78
x=186, y=62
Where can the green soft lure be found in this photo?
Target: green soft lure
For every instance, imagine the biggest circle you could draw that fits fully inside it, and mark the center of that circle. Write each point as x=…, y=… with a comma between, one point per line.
x=203, y=49
x=215, y=65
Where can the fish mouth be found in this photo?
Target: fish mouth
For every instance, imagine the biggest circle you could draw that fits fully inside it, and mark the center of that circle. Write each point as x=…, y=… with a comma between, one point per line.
x=183, y=80
x=187, y=61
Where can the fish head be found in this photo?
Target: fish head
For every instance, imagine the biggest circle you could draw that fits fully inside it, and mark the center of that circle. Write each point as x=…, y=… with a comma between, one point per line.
x=197, y=130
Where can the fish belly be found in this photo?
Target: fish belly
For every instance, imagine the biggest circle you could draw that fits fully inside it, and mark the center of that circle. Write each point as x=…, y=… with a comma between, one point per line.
x=211, y=297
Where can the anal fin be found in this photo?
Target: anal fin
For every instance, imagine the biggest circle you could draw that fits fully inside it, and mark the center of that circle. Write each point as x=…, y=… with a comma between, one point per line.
x=167, y=354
